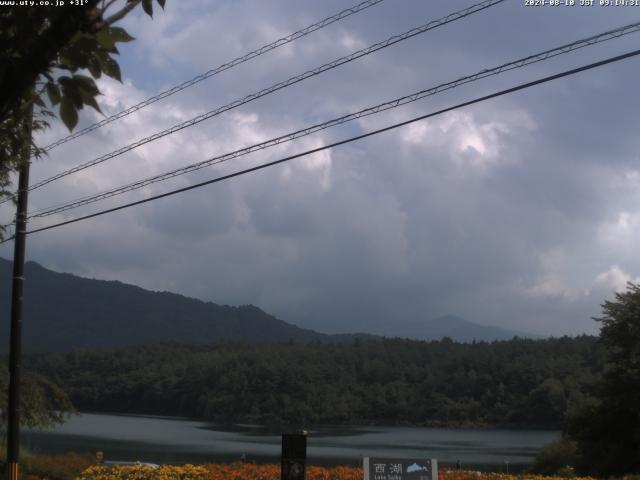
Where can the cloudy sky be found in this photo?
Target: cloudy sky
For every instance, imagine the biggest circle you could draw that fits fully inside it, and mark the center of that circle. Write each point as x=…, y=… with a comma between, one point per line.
x=520, y=212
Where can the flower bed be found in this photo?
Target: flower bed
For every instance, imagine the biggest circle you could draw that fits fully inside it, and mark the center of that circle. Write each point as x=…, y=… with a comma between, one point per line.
x=249, y=471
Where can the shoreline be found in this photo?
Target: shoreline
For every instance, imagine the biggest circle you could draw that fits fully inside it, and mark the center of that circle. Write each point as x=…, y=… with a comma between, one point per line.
x=351, y=426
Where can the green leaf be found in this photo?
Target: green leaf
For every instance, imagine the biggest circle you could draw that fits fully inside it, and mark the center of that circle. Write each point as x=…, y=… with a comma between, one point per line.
x=110, y=67
x=120, y=34
x=88, y=90
x=86, y=83
x=147, y=6
x=79, y=51
x=161, y=3
x=53, y=92
x=94, y=68
x=90, y=100
x=68, y=113
x=108, y=36
x=70, y=91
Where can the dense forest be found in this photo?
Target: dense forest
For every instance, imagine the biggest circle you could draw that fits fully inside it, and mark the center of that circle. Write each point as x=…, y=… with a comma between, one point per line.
x=518, y=383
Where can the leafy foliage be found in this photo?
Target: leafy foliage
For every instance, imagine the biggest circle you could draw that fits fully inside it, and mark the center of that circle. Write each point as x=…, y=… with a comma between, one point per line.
x=233, y=471
x=165, y=472
x=607, y=431
x=69, y=466
x=42, y=402
x=513, y=383
x=50, y=467
x=555, y=456
x=60, y=467
x=43, y=54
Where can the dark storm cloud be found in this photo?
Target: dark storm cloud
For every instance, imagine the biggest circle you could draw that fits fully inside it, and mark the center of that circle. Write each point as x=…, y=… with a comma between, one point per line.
x=521, y=212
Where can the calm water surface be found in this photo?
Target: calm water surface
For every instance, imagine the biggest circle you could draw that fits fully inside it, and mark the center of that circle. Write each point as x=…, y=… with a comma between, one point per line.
x=166, y=439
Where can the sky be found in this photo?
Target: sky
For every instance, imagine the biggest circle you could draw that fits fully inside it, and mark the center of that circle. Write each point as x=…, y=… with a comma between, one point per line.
x=521, y=212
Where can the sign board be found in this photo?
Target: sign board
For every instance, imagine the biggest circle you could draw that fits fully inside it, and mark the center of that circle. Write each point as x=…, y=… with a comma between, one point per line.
x=400, y=468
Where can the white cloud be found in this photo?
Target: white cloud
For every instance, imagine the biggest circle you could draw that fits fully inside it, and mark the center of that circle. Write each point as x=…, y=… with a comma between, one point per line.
x=519, y=212
x=614, y=280
x=621, y=232
x=351, y=42
x=468, y=141
x=552, y=281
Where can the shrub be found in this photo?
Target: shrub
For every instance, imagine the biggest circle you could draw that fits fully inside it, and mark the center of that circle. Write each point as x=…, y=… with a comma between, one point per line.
x=142, y=472
x=566, y=472
x=556, y=457
x=58, y=467
x=54, y=467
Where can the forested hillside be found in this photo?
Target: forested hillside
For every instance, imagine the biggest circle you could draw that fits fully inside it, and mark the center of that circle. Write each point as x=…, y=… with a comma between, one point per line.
x=63, y=311
x=519, y=383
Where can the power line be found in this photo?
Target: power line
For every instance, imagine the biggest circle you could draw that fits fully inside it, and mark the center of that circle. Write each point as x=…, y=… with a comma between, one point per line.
x=278, y=86
x=221, y=68
x=348, y=140
x=592, y=40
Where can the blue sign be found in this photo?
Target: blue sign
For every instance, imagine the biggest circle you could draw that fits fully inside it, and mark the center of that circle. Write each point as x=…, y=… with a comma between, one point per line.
x=400, y=468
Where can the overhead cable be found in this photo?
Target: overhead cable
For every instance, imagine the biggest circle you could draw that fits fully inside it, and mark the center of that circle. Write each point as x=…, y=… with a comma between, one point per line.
x=346, y=141
x=221, y=68
x=278, y=86
x=538, y=57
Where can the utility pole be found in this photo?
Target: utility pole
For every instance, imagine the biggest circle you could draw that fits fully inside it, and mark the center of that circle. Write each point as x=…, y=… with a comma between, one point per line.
x=15, y=346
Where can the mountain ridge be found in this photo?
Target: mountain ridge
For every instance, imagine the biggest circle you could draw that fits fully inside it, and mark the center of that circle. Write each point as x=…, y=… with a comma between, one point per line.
x=460, y=329
x=77, y=312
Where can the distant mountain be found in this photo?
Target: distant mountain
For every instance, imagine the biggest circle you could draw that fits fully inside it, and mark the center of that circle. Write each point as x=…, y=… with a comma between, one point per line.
x=63, y=311
x=458, y=329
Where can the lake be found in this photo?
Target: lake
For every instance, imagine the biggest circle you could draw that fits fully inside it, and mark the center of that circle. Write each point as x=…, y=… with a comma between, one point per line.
x=180, y=440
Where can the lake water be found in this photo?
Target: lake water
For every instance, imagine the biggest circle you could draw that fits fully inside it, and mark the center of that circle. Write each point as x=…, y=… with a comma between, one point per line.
x=180, y=440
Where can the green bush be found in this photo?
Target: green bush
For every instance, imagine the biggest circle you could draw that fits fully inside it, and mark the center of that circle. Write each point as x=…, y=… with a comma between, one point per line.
x=556, y=458
x=65, y=466
x=566, y=472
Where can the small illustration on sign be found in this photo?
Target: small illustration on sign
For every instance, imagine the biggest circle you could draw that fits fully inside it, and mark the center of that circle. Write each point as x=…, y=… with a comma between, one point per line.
x=415, y=467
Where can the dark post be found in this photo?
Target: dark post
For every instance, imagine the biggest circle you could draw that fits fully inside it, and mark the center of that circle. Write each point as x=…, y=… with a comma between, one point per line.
x=15, y=346
x=294, y=455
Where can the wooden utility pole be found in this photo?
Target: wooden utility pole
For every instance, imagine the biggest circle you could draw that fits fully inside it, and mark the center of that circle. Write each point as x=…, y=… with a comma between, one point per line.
x=15, y=346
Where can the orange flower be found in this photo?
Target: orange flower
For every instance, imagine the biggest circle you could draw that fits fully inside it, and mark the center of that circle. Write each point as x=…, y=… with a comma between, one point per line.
x=250, y=471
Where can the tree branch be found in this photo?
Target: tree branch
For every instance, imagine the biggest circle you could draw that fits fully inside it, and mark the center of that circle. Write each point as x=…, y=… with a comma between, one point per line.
x=107, y=5
x=119, y=15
